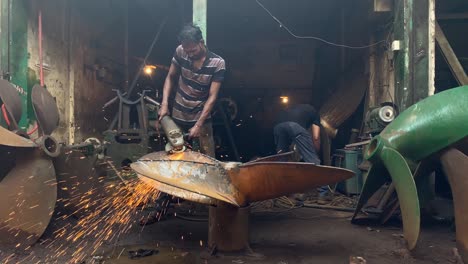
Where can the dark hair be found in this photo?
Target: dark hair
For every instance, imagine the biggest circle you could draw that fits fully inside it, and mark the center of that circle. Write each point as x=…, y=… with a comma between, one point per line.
x=190, y=33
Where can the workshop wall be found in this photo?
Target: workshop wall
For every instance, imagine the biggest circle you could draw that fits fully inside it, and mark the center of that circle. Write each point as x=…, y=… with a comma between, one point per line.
x=82, y=56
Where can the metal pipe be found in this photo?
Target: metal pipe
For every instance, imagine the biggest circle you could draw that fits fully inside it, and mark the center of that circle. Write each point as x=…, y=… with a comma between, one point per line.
x=41, y=67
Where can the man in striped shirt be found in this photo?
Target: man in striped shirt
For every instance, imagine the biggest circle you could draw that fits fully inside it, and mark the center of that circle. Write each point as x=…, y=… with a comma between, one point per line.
x=197, y=73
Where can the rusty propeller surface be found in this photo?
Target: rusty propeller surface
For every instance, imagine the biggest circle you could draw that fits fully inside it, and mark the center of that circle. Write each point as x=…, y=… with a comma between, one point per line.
x=9, y=97
x=8, y=138
x=455, y=166
x=45, y=109
x=29, y=192
x=196, y=177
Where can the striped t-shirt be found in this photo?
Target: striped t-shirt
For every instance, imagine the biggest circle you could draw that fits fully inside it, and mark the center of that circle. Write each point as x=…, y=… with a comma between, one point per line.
x=194, y=85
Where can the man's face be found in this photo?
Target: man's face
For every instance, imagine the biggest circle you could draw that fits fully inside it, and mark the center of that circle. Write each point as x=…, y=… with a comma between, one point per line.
x=195, y=50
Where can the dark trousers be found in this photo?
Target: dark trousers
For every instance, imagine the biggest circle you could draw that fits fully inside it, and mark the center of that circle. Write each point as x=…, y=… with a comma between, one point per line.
x=287, y=133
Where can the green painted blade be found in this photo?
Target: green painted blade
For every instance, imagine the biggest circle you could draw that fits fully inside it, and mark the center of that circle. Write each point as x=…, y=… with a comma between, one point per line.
x=376, y=177
x=429, y=125
x=406, y=191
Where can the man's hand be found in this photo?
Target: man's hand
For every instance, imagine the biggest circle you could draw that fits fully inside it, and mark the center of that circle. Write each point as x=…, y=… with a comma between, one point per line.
x=194, y=132
x=163, y=111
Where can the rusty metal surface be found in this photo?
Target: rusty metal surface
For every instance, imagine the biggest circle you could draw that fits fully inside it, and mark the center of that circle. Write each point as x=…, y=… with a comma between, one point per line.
x=9, y=96
x=455, y=166
x=344, y=101
x=266, y=180
x=228, y=227
x=8, y=138
x=29, y=192
x=45, y=109
x=189, y=171
x=200, y=178
x=186, y=195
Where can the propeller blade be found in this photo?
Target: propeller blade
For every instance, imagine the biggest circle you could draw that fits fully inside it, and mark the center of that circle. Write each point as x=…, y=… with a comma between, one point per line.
x=29, y=192
x=406, y=191
x=45, y=109
x=202, y=177
x=376, y=177
x=266, y=180
x=190, y=171
x=9, y=96
x=429, y=125
x=8, y=138
x=287, y=156
x=186, y=195
x=455, y=166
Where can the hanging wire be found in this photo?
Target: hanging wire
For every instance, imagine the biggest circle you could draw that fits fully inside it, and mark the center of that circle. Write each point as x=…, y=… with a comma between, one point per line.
x=313, y=37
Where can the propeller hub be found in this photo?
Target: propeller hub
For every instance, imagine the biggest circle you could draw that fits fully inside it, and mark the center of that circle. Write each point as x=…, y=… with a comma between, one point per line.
x=374, y=149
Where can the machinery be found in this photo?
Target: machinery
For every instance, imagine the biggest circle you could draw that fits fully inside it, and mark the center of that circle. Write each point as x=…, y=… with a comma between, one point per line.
x=378, y=118
x=33, y=166
x=406, y=151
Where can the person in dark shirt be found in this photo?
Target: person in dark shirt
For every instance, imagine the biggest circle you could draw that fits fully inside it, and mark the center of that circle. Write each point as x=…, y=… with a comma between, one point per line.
x=293, y=126
x=300, y=124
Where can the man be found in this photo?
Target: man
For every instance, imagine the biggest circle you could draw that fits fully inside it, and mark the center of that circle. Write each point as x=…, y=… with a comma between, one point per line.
x=197, y=73
x=300, y=124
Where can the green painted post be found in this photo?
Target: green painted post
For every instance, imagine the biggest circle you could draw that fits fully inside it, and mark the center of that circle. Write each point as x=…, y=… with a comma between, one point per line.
x=199, y=15
x=14, y=55
x=412, y=70
x=19, y=57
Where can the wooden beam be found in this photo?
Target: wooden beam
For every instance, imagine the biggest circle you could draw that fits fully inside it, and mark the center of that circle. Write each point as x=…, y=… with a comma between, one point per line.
x=450, y=57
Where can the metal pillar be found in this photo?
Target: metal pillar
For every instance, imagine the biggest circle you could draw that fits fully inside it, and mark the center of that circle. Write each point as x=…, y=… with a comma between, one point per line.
x=199, y=15
x=228, y=229
x=414, y=61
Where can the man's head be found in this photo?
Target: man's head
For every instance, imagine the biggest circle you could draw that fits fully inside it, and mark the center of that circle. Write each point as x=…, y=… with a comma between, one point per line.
x=192, y=41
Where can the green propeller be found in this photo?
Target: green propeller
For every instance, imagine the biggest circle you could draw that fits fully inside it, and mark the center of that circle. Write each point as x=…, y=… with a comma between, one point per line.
x=425, y=128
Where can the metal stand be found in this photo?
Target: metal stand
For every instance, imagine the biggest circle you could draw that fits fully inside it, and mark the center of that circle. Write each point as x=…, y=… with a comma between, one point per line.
x=228, y=228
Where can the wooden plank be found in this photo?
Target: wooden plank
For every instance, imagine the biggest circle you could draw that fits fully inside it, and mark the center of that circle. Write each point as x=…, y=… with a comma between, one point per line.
x=450, y=56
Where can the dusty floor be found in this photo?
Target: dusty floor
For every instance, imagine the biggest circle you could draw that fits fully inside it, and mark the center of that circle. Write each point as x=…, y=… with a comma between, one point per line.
x=299, y=236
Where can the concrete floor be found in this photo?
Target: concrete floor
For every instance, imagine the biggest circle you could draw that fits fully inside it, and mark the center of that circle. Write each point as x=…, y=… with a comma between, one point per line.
x=299, y=236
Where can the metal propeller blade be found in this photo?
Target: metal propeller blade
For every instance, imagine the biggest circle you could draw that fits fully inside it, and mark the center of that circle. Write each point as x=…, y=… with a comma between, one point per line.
x=9, y=96
x=8, y=138
x=189, y=171
x=455, y=166
x=29, y=192
x=196, y=177
x=186, y=195
x=407, y=194
x=266, y=180
x=45, y=109
x=287, y=156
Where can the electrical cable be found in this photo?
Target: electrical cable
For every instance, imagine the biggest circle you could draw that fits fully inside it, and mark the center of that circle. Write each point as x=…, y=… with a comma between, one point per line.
x=5, y=115
x=313, y=37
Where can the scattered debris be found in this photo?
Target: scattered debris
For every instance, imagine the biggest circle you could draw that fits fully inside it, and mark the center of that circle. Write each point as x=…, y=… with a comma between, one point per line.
x=141, y=253
x=402, y=253
x=238, y=261
x=357, y=260
x=457, y=257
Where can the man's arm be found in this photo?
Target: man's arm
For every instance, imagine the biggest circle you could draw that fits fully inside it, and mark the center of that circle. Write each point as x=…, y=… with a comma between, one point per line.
x=209, y=104
x=316, y=137
x=169, y=83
